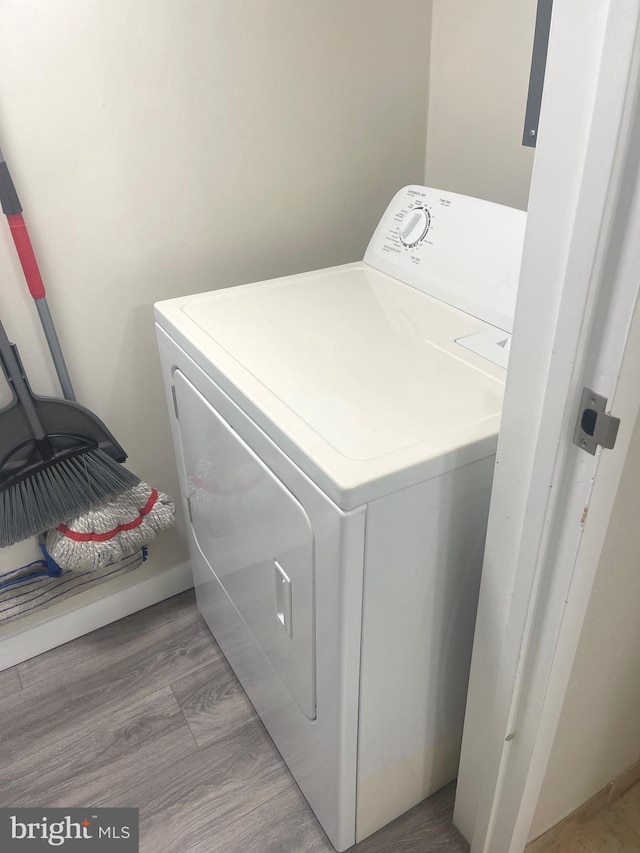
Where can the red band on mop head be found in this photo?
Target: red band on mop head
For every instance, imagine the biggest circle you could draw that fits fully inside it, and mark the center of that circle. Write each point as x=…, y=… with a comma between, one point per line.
x=103, y=537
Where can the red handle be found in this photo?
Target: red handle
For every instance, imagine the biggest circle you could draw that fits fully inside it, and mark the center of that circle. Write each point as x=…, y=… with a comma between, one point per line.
x=25, y=253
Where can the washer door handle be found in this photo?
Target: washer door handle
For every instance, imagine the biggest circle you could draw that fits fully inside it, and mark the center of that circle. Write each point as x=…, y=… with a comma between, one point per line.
x=283, y=598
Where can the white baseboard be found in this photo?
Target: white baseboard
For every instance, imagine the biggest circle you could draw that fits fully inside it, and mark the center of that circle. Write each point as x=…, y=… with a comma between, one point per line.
x=23, y=639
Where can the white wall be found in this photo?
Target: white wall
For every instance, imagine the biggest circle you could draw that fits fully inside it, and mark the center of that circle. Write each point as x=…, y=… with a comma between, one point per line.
x=598, y=735
x=162, y=147
x=480, y=63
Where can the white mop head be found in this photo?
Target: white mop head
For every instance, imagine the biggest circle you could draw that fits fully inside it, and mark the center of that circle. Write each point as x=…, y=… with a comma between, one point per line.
x=112, y=531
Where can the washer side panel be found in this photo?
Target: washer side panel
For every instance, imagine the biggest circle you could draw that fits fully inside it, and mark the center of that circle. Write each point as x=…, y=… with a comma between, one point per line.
x=423, y=557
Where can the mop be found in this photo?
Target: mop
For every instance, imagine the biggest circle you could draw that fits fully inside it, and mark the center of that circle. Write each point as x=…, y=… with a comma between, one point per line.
x=43, y=568
x=111, y=532
x=29, y=595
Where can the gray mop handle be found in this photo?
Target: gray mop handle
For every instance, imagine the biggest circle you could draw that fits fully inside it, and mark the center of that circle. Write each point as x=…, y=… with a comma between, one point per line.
x=51, y=335
x=14, y=375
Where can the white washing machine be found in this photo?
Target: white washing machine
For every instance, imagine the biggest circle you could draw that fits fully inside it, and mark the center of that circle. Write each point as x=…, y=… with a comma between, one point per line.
x=335, y=433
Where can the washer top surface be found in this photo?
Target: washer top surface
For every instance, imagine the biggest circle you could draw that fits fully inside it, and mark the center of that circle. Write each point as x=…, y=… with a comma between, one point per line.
x=355, y=375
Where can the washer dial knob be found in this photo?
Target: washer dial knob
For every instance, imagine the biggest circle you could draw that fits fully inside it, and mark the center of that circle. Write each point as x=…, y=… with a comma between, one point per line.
x=415, y=226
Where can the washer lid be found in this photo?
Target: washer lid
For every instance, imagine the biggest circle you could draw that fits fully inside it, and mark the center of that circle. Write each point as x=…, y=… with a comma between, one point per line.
x=357, y=376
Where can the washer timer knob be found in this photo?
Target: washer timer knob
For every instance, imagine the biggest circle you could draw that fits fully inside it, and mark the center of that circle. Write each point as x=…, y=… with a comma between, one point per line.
x=415, y=227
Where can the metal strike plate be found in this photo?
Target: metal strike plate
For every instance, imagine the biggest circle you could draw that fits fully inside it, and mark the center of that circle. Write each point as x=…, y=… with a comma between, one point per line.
x=594, y=426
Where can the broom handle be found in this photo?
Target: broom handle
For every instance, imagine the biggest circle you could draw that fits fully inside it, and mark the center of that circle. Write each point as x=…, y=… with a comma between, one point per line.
x=55, y=349
x=15, y=377
x=12, y=209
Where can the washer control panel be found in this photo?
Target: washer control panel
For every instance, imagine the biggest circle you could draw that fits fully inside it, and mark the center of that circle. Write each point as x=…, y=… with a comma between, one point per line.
x=461, y=250
x=413, y=224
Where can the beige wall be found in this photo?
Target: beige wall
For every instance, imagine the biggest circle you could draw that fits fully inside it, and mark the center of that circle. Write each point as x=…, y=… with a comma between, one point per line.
x=162, y=148
x=480, y=62
x=598, y=735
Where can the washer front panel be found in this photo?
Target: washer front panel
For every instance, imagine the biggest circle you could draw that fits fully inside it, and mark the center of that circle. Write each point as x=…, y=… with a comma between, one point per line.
x=257, y=538
x=321, y=753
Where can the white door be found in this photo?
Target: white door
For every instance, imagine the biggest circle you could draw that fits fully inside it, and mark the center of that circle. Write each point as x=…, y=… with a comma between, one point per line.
x=576, y=325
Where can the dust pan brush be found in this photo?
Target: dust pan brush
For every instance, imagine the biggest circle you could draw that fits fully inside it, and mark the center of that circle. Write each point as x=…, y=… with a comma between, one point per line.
x=111, y=532
x=56, y=458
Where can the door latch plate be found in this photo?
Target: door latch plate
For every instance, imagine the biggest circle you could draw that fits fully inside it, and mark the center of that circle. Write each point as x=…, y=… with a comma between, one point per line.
x=594, y=426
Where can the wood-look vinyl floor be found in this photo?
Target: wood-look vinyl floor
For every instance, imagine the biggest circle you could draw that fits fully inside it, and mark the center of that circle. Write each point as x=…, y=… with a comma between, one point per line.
x=146, y=712
x=612, y=829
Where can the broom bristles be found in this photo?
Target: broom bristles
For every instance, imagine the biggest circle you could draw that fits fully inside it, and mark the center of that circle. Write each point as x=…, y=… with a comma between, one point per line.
x=63, y=490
